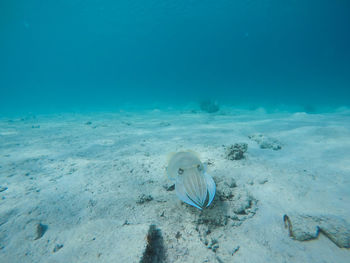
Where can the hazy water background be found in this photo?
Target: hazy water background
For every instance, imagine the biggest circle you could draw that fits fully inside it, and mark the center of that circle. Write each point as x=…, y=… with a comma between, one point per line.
x=89, y=54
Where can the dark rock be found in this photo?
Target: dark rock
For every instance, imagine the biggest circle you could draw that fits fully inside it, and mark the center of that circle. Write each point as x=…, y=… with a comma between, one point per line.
x=40, y=230
x=178, y=235
x=144, y=198
x=57, y=247
x=235, y=250
x=35, y=126
x=236, y=151
x=304, y=227
x=210, y=162
x=169, y=187
x=213, y=245
x=88, y=123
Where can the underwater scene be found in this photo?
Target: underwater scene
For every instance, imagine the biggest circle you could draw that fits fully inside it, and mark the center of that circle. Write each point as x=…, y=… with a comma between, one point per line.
x=177, y=131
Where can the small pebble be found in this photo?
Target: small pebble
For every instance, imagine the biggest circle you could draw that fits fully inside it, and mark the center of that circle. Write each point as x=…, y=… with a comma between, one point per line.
x=40, y=230
x=169, y=187
x=57, y=247
x=262, y=181
x=144, y=198
x=178, y=235
x=235, y=250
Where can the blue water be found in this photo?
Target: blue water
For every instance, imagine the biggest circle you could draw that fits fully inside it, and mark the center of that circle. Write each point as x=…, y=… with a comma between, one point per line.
x=75, y=54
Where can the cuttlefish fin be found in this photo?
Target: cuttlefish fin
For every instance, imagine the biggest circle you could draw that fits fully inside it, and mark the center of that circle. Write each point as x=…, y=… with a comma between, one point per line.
x=182, y=195
x=205, y=167
x=211, y=187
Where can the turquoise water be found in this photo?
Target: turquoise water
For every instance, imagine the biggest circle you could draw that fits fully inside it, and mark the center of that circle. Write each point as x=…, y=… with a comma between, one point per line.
x=86, y=55
x=98, y=96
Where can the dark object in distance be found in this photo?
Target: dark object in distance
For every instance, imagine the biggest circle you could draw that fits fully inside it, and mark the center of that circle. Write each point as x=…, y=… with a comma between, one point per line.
x=209, y=106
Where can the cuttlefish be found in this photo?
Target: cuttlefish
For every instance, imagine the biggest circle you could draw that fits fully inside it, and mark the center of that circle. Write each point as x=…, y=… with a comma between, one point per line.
x=193, y=184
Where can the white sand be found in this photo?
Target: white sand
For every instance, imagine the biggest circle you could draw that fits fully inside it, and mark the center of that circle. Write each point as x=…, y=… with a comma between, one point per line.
x=85, y=183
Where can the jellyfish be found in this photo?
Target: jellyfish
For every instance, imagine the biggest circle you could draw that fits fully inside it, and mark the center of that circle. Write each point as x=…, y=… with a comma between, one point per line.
x=193, y=185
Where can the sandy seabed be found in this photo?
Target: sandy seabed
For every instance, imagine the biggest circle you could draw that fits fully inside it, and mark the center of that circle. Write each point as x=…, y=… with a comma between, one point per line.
x=92, y=187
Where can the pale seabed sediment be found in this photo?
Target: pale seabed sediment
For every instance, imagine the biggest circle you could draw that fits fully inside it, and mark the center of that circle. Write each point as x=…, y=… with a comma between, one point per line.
x=92, y=187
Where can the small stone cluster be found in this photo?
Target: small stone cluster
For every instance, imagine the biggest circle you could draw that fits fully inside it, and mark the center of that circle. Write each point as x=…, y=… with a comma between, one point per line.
x=236, y=151
x=266, y=142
